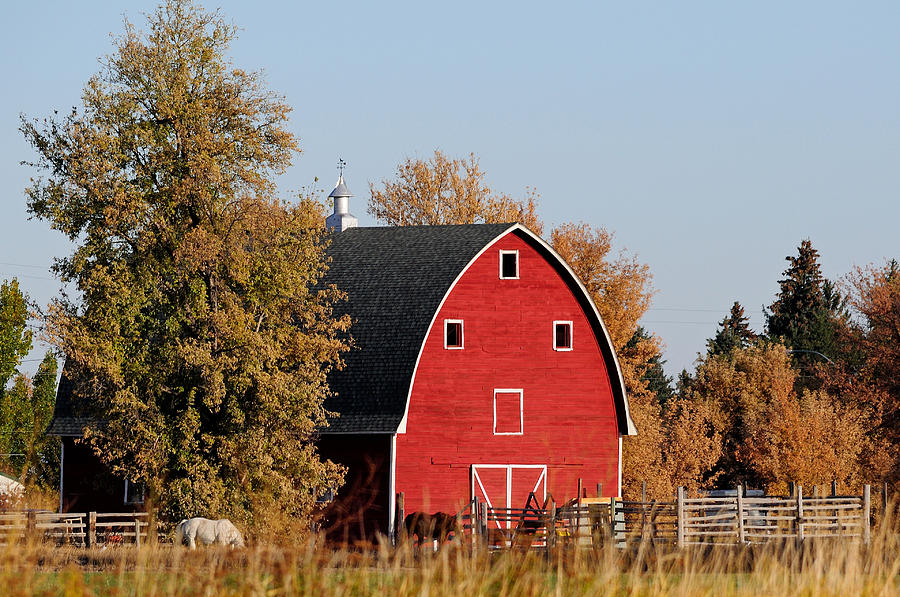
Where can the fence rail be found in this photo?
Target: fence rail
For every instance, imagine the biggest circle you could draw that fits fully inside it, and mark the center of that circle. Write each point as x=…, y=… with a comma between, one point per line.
x=721, y=519
x=86, y=529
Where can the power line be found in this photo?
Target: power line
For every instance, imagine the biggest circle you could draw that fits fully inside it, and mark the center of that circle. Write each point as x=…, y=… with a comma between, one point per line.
x=23, y=265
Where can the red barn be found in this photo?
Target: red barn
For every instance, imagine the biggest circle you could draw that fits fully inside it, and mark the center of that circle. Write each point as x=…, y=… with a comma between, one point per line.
x=481, y=367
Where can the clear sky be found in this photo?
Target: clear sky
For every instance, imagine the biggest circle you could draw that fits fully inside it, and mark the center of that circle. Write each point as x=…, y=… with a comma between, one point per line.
x=711, y=137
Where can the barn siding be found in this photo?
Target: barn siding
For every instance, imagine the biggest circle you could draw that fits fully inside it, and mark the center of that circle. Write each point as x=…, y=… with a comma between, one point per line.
x=569, y=415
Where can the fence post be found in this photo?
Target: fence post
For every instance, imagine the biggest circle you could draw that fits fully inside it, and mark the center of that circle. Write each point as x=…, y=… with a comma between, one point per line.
x=92, y=529
x=484, y=521
x=578, y=515
x=617, y=522
x=30, y=523
x=800, y=534
x=551, y=525
x=401, y=510
x=867, y=505
x=137, y=532
x=679, y=505
x=742, y=538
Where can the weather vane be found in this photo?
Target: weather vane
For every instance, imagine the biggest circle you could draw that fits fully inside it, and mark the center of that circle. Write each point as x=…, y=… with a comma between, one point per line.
x=341, y=165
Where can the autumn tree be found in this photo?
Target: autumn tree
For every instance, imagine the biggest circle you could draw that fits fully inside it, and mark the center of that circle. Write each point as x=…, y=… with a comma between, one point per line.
x=444, y=190
x=737, y=388
x=200, y=337
x=812, y=439
x=875, y=296
x=733, y=332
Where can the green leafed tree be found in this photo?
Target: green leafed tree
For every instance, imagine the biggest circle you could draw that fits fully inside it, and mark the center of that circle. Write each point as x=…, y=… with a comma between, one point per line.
x=15, y=337
x=734, y=332
x=201, y=338
x=25, y=412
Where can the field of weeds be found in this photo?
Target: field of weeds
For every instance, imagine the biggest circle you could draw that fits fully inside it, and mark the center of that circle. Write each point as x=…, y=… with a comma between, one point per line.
x=824, y=568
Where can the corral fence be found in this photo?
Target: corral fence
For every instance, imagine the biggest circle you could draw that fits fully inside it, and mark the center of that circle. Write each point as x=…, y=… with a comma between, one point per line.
x=718, y=518
x=85, y=529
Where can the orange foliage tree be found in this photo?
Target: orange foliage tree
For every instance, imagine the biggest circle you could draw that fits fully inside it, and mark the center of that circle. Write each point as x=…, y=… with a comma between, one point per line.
x=771, y=435
x=445, y=190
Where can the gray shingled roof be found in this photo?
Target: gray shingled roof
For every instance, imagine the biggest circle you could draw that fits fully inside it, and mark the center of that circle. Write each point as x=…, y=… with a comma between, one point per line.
x=395, y=279
x=64, y=420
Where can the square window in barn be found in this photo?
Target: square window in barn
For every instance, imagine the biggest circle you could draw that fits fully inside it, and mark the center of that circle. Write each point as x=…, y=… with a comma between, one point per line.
x=453, y=334
x=562, y=335
x=134, y=492
x=508, y=417
x=509, y=265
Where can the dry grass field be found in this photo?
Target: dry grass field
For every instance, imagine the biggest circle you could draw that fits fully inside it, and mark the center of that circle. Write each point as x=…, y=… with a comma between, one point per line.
x=825, y=568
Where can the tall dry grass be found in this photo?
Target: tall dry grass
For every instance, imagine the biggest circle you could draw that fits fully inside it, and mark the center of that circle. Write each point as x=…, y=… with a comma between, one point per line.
x=835, y=567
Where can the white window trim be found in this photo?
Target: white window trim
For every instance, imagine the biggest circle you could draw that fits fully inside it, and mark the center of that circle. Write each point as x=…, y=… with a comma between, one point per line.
x=571, y=336
x=462, y=334
x=130, y=499
x=512, y=252
x=518, y=391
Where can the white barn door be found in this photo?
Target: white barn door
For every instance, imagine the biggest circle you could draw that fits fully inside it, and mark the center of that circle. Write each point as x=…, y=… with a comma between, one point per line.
x=508, y=485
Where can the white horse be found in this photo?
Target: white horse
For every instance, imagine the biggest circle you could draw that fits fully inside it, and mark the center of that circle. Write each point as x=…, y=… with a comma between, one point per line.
x=220, y=532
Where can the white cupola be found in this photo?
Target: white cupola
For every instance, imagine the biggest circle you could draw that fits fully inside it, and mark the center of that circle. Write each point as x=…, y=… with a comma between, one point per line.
x=341, y=219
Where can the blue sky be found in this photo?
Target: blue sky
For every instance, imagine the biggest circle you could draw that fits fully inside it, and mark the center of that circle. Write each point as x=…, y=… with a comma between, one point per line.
x=711, y=137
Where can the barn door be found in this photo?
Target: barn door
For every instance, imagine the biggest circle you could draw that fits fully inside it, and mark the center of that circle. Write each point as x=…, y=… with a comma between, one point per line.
x=508, y=485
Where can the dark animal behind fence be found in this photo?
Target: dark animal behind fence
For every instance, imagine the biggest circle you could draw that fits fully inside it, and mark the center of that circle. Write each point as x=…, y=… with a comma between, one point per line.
x=427, y=527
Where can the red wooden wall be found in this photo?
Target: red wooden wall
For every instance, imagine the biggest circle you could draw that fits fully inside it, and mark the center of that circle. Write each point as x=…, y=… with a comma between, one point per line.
x=569, y=415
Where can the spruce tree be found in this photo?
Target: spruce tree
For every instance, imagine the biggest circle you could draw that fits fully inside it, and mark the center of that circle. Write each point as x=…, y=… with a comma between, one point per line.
x=808, y=310
x=734, y=332
x=654, y=375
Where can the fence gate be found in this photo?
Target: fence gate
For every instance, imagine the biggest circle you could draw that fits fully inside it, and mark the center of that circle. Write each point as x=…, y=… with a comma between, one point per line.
x=504, y=486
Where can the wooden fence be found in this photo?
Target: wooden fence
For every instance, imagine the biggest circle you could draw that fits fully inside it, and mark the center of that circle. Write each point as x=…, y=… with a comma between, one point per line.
x=733, y=518
x=87, y=529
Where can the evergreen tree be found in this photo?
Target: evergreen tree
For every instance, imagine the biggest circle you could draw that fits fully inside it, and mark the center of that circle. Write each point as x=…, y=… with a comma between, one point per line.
x=654, y=375
x=734, y=332
x=808, y=310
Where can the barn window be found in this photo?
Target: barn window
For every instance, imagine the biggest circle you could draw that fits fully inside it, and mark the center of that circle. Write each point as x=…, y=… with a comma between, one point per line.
x=509, y=265
x=453, y=333
x=562, y=335
x=134, y=492
x=508, y=418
